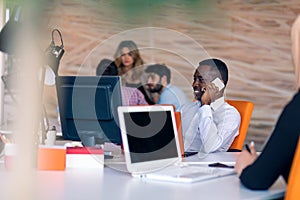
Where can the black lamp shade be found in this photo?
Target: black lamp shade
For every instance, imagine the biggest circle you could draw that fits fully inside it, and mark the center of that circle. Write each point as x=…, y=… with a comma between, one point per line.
x=9, y=35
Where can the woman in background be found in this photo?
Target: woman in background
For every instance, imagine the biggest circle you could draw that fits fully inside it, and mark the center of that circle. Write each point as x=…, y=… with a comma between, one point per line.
x=129, y=63
x=260, y=172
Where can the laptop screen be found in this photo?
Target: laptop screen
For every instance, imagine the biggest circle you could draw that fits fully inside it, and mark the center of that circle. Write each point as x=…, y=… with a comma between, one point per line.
x=150, y=135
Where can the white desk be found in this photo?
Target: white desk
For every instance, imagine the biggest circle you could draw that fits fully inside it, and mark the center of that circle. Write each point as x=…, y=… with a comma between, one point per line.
x=110, y=184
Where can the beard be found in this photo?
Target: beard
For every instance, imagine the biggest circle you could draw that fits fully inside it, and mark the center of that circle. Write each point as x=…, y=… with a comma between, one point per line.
x=158, y=87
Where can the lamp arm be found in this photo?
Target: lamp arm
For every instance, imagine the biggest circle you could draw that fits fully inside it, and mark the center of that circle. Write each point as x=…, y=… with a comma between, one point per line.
x=60, y=36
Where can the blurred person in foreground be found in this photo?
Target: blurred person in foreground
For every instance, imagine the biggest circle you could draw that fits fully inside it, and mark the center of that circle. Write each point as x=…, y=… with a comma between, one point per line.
x=260, y=172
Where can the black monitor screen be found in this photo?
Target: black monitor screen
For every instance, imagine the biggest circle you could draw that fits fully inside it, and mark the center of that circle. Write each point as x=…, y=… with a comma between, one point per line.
x=88, y=108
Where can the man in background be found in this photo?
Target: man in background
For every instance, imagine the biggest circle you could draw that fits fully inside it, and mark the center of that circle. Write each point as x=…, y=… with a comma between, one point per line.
x=209, y=123
x=159, y=77
x=130, y=96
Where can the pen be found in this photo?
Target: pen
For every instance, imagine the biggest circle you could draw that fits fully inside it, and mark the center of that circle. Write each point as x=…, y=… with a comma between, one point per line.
x=247, y=147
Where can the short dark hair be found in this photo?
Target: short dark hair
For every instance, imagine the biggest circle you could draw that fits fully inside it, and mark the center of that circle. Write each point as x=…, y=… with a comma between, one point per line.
x=219, y=65
x=106, y=67
x=161, y=70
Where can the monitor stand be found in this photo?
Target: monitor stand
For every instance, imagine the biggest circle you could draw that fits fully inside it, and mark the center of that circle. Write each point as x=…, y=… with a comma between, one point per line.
x=88, y=140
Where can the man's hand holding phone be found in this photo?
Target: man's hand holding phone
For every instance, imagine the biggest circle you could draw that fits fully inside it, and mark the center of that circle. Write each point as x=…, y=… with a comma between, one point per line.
x=218, y=83
x=211, y=91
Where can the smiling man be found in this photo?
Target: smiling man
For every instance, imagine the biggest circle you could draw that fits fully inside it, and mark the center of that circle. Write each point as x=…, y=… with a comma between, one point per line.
x=209, y=124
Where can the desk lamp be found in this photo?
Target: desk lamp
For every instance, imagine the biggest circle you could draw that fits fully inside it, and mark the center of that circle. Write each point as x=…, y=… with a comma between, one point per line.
x=10, y=32
x=53, y=54
x=8, y=41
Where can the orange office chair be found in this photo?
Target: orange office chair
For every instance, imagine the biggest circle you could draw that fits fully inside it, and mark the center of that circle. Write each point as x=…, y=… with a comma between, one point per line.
x=179, y=130
x=245, y=109
x=292, y=191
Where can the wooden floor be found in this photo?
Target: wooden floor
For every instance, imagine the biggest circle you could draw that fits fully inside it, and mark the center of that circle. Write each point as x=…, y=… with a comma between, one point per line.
x=251, y=36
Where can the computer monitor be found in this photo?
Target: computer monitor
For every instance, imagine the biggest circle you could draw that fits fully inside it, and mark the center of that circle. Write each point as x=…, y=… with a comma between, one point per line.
x=88, y=108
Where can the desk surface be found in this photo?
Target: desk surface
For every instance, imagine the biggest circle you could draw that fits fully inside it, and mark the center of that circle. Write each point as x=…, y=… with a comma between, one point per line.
x=109, y=184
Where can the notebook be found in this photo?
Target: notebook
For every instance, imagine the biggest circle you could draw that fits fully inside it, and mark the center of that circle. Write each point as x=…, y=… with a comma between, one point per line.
x=151, y=146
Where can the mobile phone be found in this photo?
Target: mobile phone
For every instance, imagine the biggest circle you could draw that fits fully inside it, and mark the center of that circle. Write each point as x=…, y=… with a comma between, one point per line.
x=189, y=153
x=217, y=164
x=218, y=83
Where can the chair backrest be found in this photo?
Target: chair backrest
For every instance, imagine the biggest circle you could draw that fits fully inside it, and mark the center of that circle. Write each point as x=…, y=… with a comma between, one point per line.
x=179, y=130
x=245, y=109
x=292, y=191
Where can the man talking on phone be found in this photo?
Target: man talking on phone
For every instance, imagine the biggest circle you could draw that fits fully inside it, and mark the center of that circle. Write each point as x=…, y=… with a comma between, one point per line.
x=209, y=123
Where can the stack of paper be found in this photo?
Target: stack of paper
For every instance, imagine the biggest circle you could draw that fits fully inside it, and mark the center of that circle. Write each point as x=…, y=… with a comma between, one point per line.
x=85, y=157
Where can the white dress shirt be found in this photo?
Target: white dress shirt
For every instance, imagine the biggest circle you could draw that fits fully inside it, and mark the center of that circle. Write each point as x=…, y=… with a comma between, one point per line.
x=209, y=128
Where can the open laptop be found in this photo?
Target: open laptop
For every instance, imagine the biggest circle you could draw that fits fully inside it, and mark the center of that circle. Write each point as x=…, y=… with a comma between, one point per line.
x=151, y=146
